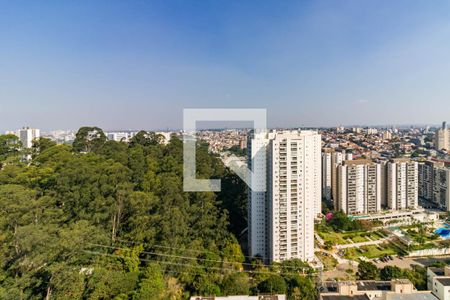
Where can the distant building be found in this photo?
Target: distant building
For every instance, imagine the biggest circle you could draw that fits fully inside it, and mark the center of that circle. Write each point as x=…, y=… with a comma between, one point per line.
x=118, y=136
x=357, y=130
x=442, y=138
x=281, y=220
x=28, y=135
x=372, y=131
x=243, y=143
x=387, y=135
x=167, y=136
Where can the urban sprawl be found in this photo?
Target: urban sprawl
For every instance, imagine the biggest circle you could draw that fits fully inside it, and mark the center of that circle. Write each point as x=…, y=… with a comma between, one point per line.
x=340, y=199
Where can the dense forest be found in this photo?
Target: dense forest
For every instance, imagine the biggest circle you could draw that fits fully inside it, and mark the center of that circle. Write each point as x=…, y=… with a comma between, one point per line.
x=102, y=219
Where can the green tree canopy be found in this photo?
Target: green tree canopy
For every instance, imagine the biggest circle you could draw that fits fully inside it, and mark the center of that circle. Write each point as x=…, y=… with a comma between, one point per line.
x=391, y=272
x=367, y=271
x=89, y=139
x=273, y=284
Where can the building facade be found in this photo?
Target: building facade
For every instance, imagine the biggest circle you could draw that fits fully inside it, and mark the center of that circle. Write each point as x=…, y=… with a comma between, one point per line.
x=402, y=184
x=281, y=219
x=442, y=138
x=359, y=185
x=438, y=281
x=434, y=183
x=327, y=153
x=337, y=158
x=28, y=135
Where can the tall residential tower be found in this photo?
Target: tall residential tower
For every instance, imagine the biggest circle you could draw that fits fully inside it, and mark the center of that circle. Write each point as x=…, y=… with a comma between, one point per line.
x=402, y=184
x=359, y=185
x=281, y=219
x=28, y=135
x=442, y=138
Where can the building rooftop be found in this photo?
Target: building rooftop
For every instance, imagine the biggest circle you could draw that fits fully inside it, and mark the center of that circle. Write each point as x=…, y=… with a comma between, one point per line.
x=437, y=271
x=413, y=296
x=341, y=297
x=374, y=285
x=366, y=285
x=358, y=162
x=400, y=159
x=328, y=150
x=444, y=281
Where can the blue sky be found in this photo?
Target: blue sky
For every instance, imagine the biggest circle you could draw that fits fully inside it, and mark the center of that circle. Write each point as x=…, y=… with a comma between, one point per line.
x=137, y=64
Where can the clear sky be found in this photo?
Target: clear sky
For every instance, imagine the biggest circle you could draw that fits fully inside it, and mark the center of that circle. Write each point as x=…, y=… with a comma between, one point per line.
x=137, y=64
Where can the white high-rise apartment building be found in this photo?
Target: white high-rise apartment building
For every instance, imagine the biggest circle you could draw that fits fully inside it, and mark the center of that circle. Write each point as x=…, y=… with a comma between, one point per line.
x=281, y=220
x=118, y=136
x=327, y=169
x=331, y=159
x=257, y=144
x=336, y=158
x=27, y=135
x=402, y=184
x=359, y=187
x=442, y=138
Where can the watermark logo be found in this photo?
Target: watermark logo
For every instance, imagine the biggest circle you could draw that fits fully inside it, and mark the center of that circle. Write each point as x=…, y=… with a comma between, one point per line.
x=190, y=118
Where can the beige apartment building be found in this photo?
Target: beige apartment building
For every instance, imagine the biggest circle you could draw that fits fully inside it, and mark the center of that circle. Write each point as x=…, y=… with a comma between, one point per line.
x=442, y=138
x=331, y=159
x=359, y=185
x=364, y=186
x=402, y=184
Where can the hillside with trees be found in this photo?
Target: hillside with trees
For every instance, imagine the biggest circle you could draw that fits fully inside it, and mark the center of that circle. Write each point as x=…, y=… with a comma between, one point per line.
x=109, y=220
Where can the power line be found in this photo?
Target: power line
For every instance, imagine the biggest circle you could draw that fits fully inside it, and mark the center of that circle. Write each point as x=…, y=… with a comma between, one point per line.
x=200, y=251
x=169, y=255
x=190, y=265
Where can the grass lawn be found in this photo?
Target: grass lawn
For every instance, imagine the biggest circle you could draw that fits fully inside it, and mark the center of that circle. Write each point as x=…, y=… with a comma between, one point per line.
x=424, y=246
x=359, y=239
x=333, y=237
x=371, y=251
x=349, y=237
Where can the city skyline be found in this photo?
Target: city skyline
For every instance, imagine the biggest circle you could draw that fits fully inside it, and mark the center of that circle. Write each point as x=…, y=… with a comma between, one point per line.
x=138, y=65
x=219, y=150
x=200, y=128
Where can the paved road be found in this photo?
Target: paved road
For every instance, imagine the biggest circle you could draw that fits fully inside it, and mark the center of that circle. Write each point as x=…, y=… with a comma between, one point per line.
x=319, y=239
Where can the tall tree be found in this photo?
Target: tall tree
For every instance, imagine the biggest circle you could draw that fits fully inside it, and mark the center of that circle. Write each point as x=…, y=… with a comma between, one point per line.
x=391, y=272
x=367, y=271
x=89, y=139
